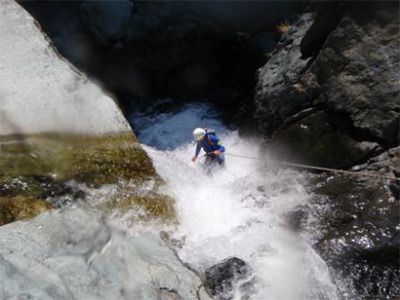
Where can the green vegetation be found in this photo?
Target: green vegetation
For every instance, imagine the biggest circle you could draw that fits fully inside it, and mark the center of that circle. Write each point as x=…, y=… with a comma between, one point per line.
x=153, y=205
x=20, y=207
x=35, y=168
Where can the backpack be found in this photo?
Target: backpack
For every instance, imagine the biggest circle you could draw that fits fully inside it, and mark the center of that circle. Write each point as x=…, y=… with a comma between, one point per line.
x=210, y=132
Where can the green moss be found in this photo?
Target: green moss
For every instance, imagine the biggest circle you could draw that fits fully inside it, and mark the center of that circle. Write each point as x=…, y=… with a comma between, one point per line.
x=37, y=167
x=40, y=187
x=20, y=207
x=154, y=205
x=89, y=159
x=100, y=164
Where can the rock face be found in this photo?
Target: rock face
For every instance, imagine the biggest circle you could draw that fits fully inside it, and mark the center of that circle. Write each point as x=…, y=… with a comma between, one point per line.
x=57, y=127
x=40, y=91
x=277, y=97
x=348, y=71
x=358, y=225
x=76, y=254
x=329, y=96
x=220, y=278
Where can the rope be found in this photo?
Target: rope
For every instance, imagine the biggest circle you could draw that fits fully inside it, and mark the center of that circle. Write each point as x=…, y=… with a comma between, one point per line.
x=304, y=166
x=353, y=173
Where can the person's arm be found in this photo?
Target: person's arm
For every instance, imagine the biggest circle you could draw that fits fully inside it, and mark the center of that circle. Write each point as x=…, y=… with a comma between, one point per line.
x=198, y=148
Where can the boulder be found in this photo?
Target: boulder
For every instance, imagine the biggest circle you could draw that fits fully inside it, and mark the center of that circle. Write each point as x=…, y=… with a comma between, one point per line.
x=77, y=254
x=345, y=67
x=221, y=278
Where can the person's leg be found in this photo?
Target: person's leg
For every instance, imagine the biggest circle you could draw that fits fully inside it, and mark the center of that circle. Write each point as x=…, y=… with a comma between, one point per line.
x=221, y=159
x=208, y=164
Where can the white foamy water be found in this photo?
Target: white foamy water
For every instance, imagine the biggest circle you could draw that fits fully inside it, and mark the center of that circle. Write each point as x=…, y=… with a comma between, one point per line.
x=241, y=211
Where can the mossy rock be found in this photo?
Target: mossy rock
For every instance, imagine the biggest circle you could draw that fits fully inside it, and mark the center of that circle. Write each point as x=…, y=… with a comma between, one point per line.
x=41, y=187
x=89, y=159
x=104, y=164
x=20, y=208
x=38, y=167
x=154, y=205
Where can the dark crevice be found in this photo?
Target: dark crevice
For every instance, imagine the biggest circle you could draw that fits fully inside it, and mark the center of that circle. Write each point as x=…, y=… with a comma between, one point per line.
x=342, y=122
x=171, y=291
x=329, y=13
x=188, y=52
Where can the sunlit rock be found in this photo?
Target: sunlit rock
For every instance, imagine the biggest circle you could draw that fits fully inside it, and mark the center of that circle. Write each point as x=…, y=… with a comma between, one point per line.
x=77, y=254
x=40, y=91
x=57, y=128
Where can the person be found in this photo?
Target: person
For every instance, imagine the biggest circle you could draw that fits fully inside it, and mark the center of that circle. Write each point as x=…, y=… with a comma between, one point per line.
x=208, y=141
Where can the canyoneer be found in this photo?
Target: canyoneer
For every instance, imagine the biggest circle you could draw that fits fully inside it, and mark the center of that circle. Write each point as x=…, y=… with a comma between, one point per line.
x=208, y=140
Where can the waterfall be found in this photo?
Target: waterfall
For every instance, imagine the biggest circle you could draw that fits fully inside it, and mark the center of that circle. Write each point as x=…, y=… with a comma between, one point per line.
x=240, y=210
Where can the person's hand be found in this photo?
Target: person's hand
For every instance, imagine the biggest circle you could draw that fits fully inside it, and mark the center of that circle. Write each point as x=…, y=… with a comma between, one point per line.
x=217, y=152
x=194, y=158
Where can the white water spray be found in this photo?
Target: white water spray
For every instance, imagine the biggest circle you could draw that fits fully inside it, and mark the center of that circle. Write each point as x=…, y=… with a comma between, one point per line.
x=241, y=211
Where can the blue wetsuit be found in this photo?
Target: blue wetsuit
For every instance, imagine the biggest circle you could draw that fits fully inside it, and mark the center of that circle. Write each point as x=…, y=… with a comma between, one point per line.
x=211, y=143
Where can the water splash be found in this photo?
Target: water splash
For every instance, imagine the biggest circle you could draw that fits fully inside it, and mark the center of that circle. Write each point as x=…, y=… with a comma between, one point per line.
x=241, y=211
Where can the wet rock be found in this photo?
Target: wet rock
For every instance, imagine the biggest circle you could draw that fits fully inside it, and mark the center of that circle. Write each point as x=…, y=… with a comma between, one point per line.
x=296, y=218
x=77, y=254
x=358, y=232
x=37, y=186
x=220, y=278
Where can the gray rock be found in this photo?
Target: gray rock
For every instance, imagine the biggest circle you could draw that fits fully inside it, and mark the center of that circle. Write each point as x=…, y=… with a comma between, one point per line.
x=76, y=255
x=220, y=278
x=358, y=70
x=279, y=91
x=55, y=97
x=352, y=77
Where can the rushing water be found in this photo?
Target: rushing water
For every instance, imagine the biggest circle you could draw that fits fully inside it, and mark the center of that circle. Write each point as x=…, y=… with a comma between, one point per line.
x=240, y=210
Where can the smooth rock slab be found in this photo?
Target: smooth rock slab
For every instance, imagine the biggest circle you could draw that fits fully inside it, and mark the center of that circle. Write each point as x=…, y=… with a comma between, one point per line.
x=40, y=91
x=76, y=255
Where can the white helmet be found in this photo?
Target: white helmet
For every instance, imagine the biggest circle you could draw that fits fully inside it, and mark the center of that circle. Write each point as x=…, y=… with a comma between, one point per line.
x=199, y=133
